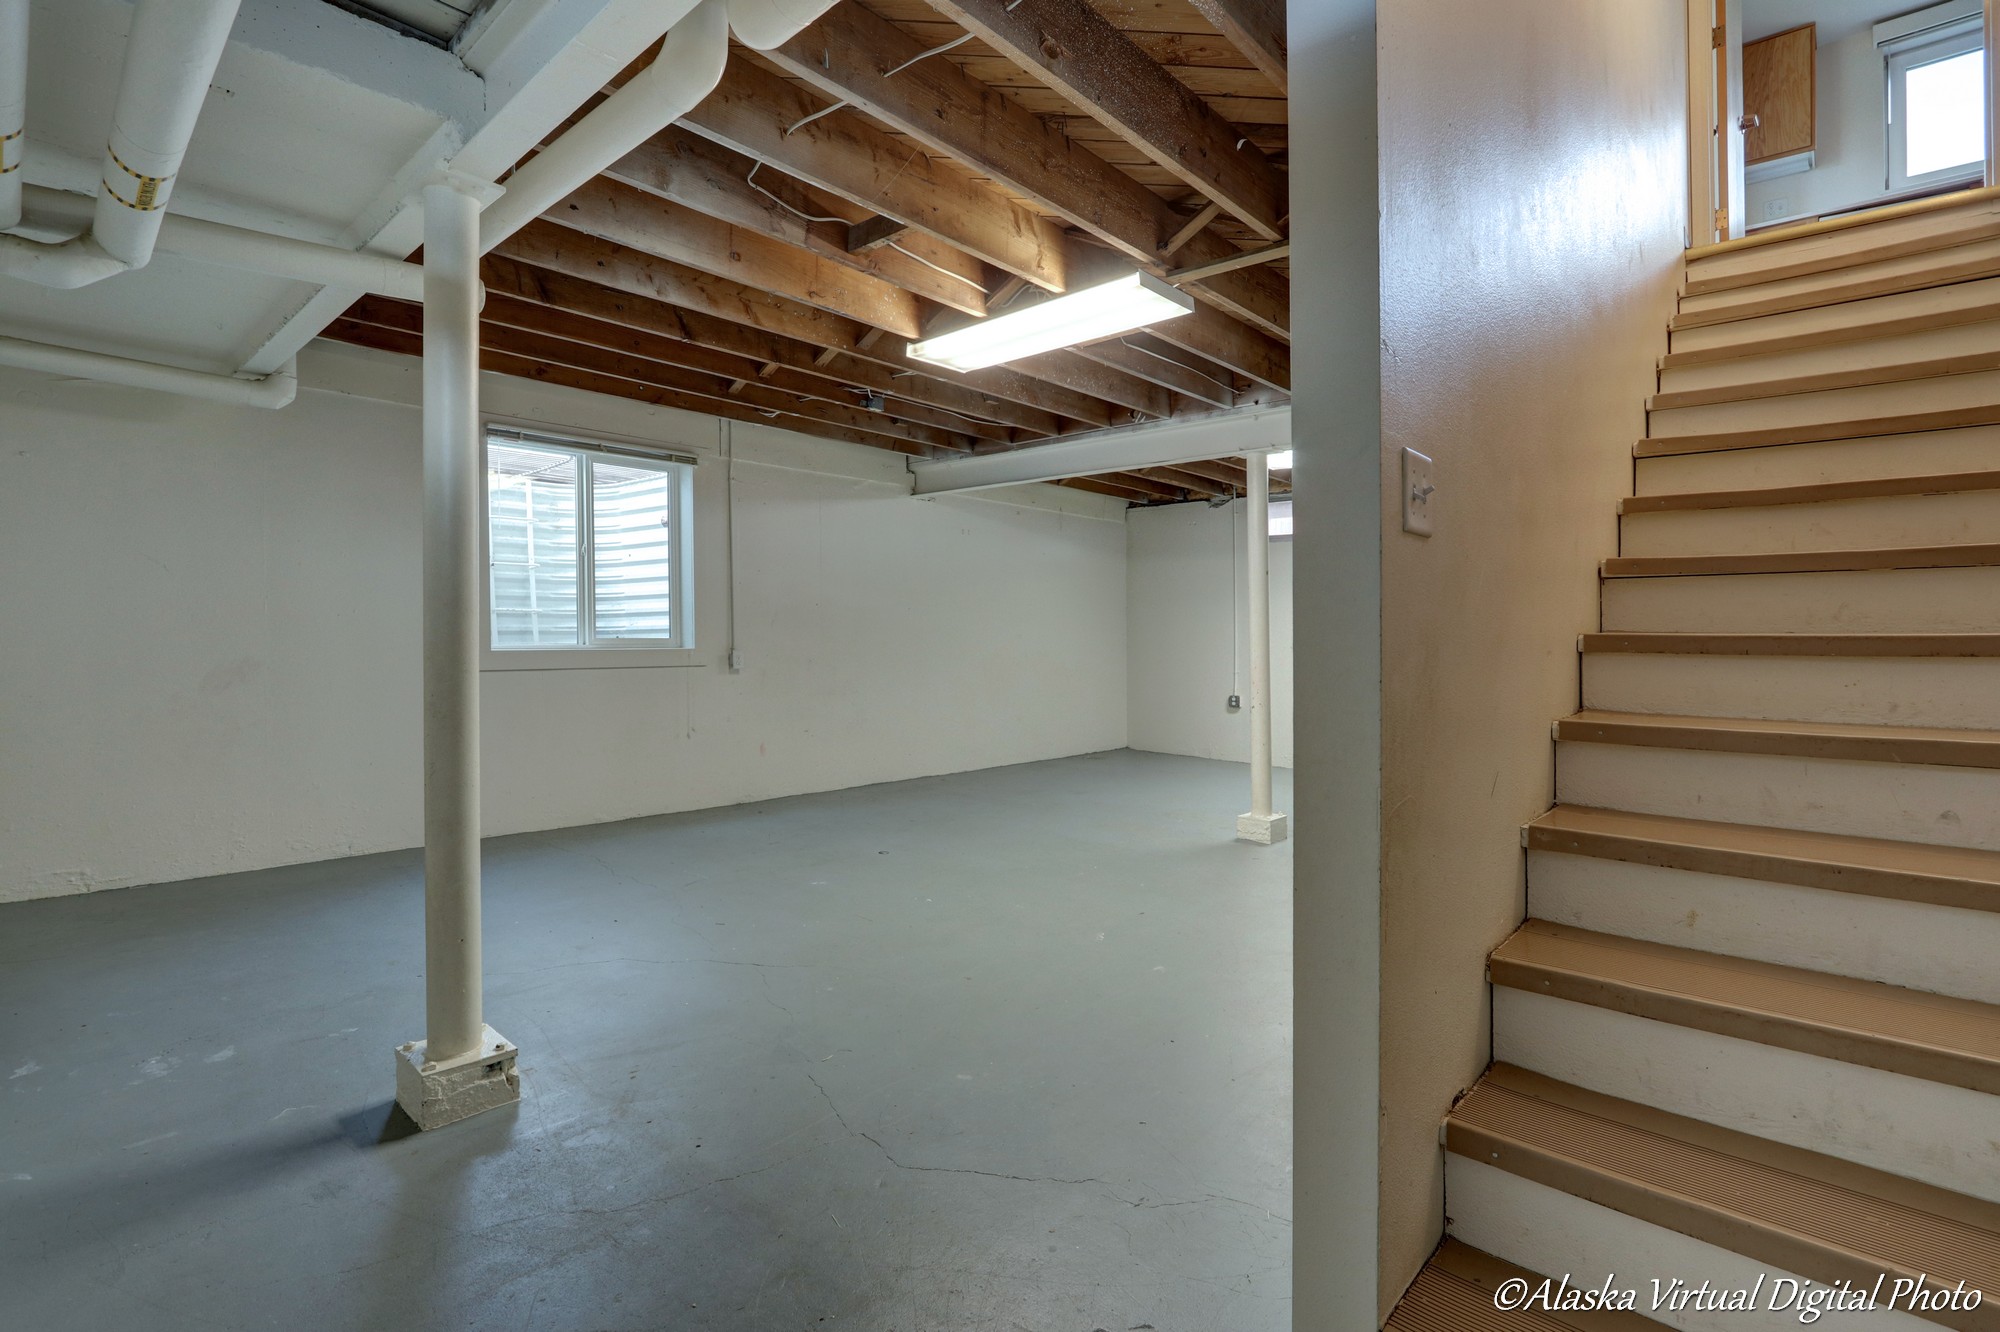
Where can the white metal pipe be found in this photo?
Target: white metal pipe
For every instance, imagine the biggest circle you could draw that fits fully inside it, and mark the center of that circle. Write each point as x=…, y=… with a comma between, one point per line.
x=239, y=247
x=273, y=390
x=688, y=67
x=170, y=60
x=13, y=107
x=452, y=481
x=1259, y=565
x=763, y=24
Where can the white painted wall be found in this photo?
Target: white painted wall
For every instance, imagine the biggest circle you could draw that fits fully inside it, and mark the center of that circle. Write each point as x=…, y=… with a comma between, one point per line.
x=210, y=651
x=1188, y=631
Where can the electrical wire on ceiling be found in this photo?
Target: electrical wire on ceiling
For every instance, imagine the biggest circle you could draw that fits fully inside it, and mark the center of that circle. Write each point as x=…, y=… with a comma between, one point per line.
x=1148, y=351
x=751, y=181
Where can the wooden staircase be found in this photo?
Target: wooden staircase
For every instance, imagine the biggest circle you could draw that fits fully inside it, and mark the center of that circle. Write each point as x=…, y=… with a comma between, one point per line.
x=1752, y=1024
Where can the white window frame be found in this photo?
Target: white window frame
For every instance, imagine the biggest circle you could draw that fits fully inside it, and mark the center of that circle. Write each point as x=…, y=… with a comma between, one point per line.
x=595, y=654
x=1904, y=53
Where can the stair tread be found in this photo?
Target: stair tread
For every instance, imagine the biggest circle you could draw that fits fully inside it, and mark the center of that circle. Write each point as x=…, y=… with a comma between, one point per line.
x=1968, y=261
x=1814, y=1215
x=1827, y=1014
x=1819, y=492
x=1454, y=1293
x=1934, y=745
x=1970, y=876
x=1891, y=326
x=1794, y=645
x=1902, y=372
x=1820, y=432
x=1974, y=224
x=1966, y=555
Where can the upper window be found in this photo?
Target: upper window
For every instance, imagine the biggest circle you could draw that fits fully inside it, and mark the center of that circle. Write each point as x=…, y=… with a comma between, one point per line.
x=1937, y=107
x=587, y=548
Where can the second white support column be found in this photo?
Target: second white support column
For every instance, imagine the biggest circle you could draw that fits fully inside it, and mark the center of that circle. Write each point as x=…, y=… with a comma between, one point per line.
x=1262, y=824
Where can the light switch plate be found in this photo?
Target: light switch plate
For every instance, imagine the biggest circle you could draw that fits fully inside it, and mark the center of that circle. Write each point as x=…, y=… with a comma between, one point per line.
x=1417, y=492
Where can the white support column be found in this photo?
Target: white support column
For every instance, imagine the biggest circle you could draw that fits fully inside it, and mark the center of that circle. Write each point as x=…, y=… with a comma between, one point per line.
x=462, y=1066
x=1262, y=824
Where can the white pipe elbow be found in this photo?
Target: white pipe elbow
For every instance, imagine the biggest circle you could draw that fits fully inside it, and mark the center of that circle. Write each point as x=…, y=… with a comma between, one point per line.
x=764, y=24
x=686, y=70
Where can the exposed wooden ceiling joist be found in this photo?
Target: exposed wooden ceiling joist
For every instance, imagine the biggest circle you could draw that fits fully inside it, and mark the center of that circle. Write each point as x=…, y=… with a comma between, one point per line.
x=846, y=53
x=1127, y=354
x=1075, y=50
x=1257, y=29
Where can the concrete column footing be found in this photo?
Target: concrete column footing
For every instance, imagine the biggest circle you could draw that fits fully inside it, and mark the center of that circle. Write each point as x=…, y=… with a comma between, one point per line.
x=1264, y=829
x=434, y=1094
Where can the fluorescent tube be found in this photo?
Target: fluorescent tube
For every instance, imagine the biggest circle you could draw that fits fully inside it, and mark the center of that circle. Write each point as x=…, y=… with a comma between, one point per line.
x=1115, y=307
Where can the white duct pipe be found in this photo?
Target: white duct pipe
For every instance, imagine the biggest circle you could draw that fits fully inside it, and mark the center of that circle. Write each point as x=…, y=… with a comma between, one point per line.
x=763, y=24
x=170, y=57
x=687, y=69
x=273, y=390
x=13, y=107
x=66, y=214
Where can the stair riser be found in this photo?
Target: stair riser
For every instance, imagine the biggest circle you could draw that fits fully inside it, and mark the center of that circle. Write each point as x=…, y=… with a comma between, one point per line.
x=1548, y=1230
x=1958, y=263
x=1946, y=950
x=1945, y=392
x=1952, y=692
x=1861, y=354
x=1927, y=1131
x=1885, y=601
x=1847, y=316
x=1929, y=453
x=1901, y=801
x=1881, y=522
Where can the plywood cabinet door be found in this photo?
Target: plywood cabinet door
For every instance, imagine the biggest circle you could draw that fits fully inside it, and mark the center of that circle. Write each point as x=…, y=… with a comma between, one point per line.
x=1778, y=89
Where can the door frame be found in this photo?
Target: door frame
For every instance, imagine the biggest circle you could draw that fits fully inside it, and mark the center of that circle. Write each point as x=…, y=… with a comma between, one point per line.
x=1715, y=140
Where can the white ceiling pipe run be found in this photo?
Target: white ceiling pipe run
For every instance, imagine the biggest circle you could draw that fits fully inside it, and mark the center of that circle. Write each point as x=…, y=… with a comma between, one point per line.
x=763, y=24
x=170, y=58
x=686, y=70
x=66, y=214
x=276, y=389
x=13, y=107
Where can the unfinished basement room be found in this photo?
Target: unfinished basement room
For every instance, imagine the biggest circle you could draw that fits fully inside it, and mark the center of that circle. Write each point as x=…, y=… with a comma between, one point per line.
x=648, y=665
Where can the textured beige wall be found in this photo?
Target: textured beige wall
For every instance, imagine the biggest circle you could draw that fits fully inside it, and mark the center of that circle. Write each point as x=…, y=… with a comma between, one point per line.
x=1533, y=173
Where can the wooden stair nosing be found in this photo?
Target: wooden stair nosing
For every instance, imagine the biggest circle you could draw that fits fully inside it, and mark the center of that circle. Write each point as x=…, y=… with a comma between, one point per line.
x=1968, y=555
x=1961, y=877
x=1905, y=372
x=1819, y=432
x=1977, y=225
x=1923, y=745
x=1969, y=270
x=1687, y=1176
x=1790, y=645
x=1818, y=492
x=1455, y=1293
x=1936, y=1038
x=1813, y=339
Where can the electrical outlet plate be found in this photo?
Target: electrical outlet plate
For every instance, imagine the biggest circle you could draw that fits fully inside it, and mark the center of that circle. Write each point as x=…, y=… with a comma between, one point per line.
x=1417, y=492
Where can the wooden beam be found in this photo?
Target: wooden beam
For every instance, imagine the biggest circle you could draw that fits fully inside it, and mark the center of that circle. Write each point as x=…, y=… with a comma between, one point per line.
x=753, y=111
x=1145, y=485
x=1125, y=354
x=1244, y=259
x=630, y=217
x=686, y=169
x=846, y=54
x=558, y=292
x=1079, y=53
x=1210, y=333
x=1185, y=480
x=606, y=263
x=877, y=232
x=1097, y=486
x=1193, y=227
x=1257, y=29
x=411, y=344
x=581, y=354
x=1084, y=375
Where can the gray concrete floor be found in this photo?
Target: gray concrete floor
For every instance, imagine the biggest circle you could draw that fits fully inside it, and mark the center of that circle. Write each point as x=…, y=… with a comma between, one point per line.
x=1007, y=1050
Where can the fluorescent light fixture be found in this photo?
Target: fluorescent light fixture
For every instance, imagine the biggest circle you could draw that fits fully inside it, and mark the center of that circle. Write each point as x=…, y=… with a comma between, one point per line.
x=1104, y=311
x=1278, y=460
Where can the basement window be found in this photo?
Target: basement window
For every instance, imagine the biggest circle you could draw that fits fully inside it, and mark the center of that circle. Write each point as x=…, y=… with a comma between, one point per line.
x=1937, y=99
x=1281, y=520
x=587, y=553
